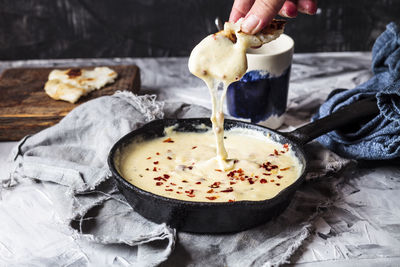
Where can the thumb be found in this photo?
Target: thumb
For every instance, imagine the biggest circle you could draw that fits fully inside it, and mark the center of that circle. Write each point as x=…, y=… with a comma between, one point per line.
x=260, y=15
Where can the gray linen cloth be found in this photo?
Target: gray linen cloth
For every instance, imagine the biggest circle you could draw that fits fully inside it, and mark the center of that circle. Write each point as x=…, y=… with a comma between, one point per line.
x=70, y=160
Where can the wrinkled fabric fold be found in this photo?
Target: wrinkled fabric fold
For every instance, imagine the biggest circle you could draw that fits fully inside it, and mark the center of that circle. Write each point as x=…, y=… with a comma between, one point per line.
x=70, y=159
x=379, y=138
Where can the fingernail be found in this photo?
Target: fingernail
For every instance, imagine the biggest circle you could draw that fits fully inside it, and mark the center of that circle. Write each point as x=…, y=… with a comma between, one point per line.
x=308, y=9
x=234, y=17
x=285, y=12
x=250, y=23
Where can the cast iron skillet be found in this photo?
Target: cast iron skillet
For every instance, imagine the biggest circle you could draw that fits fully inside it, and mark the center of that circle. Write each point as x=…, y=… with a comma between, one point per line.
x=222, y=217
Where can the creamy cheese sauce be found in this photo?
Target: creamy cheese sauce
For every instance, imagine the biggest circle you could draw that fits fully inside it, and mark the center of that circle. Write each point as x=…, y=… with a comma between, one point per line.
x=183, y=166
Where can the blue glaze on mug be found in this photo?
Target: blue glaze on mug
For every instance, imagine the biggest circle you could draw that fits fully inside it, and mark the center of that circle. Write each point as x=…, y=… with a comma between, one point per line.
x=258, y=95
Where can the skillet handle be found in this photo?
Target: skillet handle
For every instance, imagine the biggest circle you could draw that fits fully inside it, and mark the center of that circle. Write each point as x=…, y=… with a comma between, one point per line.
x=344, y=116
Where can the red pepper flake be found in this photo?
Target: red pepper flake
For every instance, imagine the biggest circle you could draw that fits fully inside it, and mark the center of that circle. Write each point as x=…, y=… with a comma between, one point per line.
x=215, y=185
x=155, y=162
x=266, y=166
x=190, y=167
x=279, y=176
x=168, y=140
x=169, y=190
x=169, y=158
x=149, y=158
x=194, y=147
x=266, y=174
x=256, y=176
x=158, y=154
x=159, y=179
x=189, y=192
x=172, y=184
x=230, y=189
x=178, y=192
x=251, y=181
x=231, y=183
x=285, y=169
x=147, y=169
x=198, y=183
x=212, y=198
x=272, y=181
x=276, y=152
x=184, y=181
x=242, y=179
x=286, y=146
x=235, y=161
x=166, y=176
x=272, y=154
x=159, y=183
x=232, y=173
x=278, y=184
x=231, y=200
x=263, y=181
x=283, y=152
x=154, y=169
x=218, y=170
x=191, y=195
x=210, y=191
x=274, y=167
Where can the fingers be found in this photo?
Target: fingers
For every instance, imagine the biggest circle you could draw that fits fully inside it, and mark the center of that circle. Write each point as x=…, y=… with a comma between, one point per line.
x=289, y=9
x=240, y=9
x=260, y=14
x=307, y=6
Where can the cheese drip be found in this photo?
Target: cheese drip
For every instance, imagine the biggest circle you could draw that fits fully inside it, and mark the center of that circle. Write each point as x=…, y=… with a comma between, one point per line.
x=218, y=60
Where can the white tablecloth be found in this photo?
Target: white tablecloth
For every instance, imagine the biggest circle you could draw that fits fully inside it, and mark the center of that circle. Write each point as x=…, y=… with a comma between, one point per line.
x=360, y=228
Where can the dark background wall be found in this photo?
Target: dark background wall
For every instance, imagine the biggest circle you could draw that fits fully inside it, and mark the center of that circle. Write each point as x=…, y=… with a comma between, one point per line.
x=31, y=29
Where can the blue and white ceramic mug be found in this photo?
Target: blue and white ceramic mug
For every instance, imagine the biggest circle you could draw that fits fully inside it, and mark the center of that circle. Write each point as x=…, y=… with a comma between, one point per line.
x=260, y=96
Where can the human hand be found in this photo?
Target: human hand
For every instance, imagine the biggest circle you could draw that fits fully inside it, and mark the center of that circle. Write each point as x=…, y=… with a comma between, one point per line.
x=259, y=13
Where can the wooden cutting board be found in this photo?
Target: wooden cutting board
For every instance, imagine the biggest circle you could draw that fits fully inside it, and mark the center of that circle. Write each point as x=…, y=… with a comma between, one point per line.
x=25, y=108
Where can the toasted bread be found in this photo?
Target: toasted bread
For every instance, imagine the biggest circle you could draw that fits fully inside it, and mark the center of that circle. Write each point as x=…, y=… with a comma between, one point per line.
x=69, y=85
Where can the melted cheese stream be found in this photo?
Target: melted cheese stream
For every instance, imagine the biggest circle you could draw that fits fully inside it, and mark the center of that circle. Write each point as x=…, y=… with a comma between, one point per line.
x=216, y=60
x=182, y=165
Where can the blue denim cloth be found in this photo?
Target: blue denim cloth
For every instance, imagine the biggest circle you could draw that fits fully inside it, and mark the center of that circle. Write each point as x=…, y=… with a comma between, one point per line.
x=379, y=138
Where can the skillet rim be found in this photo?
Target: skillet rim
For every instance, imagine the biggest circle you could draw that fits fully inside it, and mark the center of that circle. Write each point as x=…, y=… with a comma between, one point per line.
x=202, y=204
